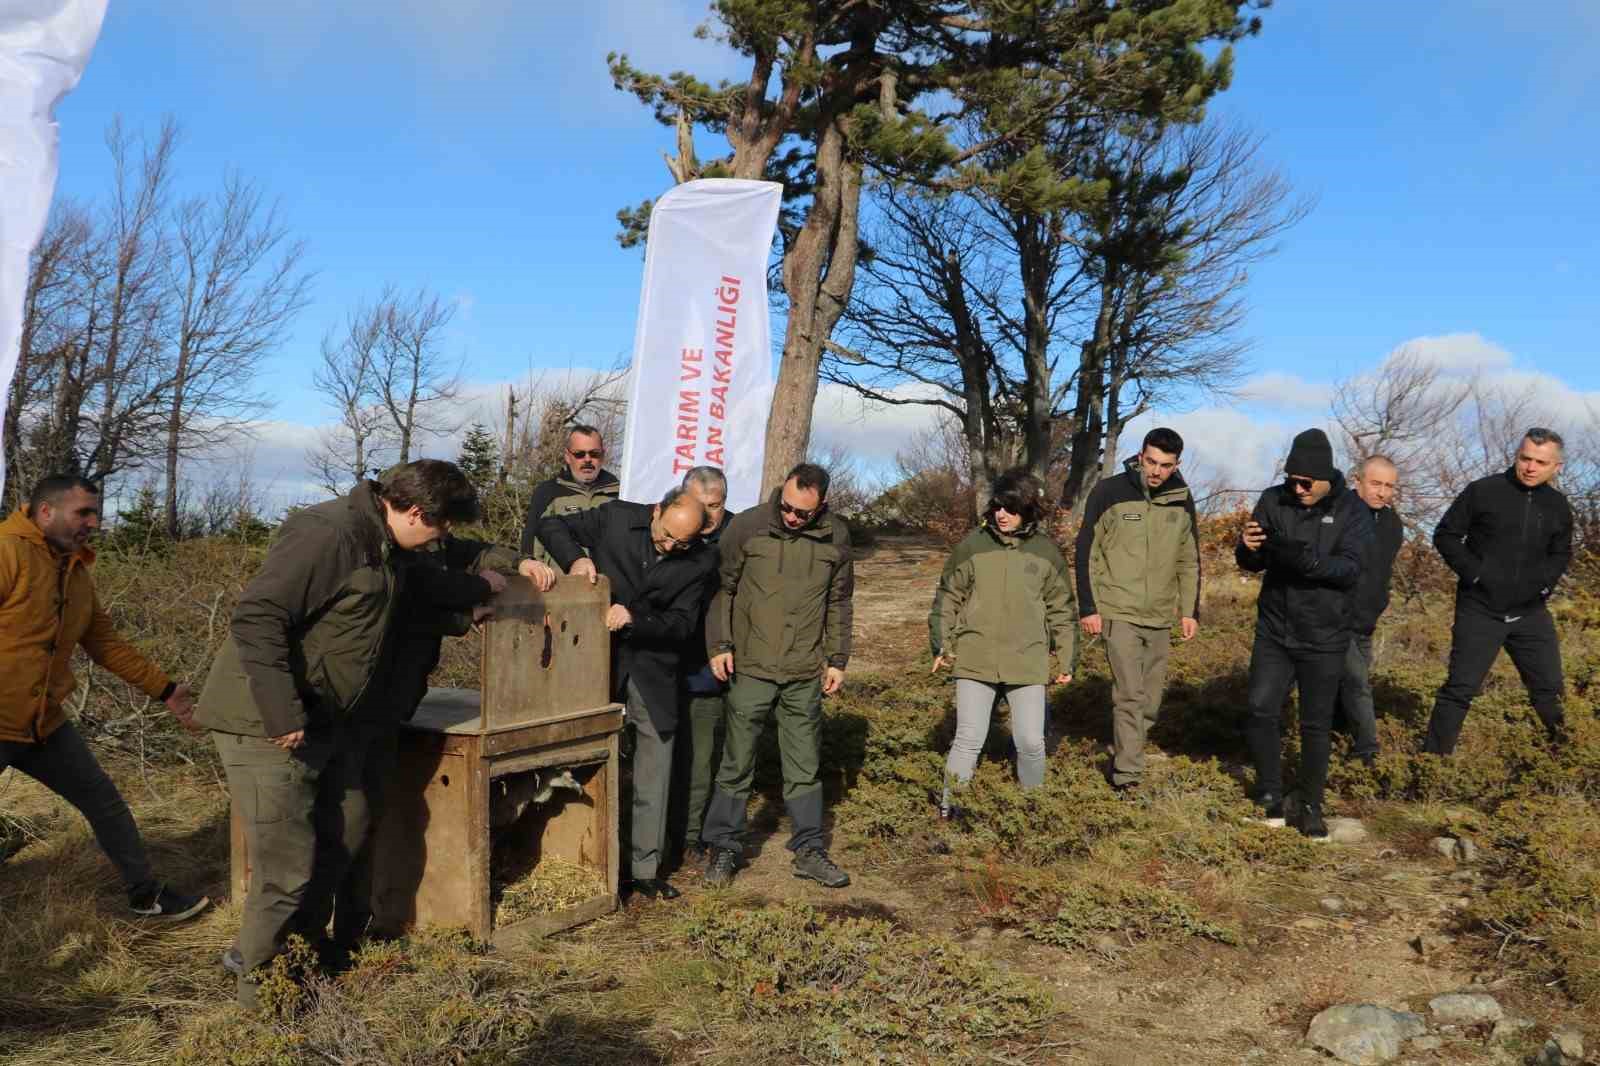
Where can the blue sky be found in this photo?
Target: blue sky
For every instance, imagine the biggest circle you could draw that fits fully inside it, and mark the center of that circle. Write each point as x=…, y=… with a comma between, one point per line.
x=477, y=147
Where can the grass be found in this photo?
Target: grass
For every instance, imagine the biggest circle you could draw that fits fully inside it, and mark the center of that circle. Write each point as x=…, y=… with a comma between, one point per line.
x=1067, y=875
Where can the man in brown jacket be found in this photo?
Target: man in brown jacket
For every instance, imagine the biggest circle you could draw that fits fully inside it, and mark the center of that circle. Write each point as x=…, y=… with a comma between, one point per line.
x=47, y=609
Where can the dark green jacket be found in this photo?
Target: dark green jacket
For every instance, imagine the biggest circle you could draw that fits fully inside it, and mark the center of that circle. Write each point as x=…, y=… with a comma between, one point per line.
x=1138, y=552
x=1004, y=612
x=310, y=628
x=563, y=494
x=783, y=603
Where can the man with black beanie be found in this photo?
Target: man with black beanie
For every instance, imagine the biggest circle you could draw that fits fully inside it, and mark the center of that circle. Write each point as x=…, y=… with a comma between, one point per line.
x=1312, y=537
x=1508, y=537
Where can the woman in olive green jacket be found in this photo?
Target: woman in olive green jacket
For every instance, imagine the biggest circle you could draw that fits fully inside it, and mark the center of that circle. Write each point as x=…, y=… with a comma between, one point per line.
x=1004, y=621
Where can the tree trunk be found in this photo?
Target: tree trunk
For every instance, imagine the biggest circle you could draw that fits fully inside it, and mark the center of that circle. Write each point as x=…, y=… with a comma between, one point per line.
x=174, y=439
x=818, y=273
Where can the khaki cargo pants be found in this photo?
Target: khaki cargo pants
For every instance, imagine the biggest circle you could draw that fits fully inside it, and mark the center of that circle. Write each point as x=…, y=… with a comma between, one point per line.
x=1138, y=657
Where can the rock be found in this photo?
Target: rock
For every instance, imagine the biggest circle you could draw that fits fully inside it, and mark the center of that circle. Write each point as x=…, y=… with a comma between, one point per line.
x=1569, y=1042
x=1508, y=1027
x=1466, y=850
x=1307, y=923
x=1445, y=846
x=1427, y=1043
x=1426, y=944
x=1107, y=945
x=1363, y=1034
x=1332, y=904
x=1346, y=831
x=1465, y=1008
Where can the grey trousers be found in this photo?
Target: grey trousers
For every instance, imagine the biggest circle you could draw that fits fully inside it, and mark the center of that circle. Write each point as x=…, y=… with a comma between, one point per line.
x=697, y=752
x=63, y=763
x=1138, y=658
x=652, y=787
x=975, y=702
x=1355, y=696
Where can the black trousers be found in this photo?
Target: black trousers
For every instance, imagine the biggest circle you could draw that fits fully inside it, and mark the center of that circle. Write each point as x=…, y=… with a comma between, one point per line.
x=1274, y=667
x=1475, y=640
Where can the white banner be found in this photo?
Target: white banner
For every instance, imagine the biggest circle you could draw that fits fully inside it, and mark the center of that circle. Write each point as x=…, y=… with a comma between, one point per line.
x=701, y=387
x=43, y=50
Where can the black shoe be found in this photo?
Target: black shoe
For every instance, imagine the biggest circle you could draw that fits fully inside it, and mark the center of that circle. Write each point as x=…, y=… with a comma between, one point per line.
x=1369, y=760
x=1311, y=823
x=1127, y=790
x=949, y=812
x=721, y=866
x=233, y=962
x=333, y=958
x=653, y=888
x=165, y=905
x=813, y=863
x=1271, y=805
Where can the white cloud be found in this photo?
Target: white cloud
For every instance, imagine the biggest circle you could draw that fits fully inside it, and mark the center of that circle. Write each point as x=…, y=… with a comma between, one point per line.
x=1455, y=352
x=872, y=432
x=1276, y=388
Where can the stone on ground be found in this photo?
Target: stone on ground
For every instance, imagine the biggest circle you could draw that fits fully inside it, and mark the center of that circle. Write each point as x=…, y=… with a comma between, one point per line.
x=1465, y=1008
x=1363, y=1034
x=1346, y=831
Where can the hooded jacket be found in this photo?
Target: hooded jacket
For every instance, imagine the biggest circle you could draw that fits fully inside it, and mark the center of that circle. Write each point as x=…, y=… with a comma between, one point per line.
x=563, y=494
x=784, y=599
x=311, y=628
x=1313, y=558
x=1003, y=612
x=47, y=608
x=1137, y=557
x=1508, y=544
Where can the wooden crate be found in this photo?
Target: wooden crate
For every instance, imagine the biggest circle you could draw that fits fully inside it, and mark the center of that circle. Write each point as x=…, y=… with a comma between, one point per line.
x=543, y=706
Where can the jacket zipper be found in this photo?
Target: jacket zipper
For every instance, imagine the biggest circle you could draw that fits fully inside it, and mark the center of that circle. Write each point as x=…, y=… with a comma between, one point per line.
x=62, y=573
x=1522, y=543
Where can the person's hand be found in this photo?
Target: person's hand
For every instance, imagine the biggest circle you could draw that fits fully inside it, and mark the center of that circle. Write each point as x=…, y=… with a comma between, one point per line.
x=290, y=741
x=722, y=666
x=938, y=664
x=1189, y=627
x=618, y=617
x=1061, y=679
x=1253, y=536
x=584, y=568
x=832, y=680
x=181, y=704
x=482, y=613
x=1091, y=624
x=542, y=576
x=495, y=580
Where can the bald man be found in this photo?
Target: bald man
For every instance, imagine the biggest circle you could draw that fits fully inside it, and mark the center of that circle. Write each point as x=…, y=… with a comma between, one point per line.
x=1376, y=482
x=659, y=575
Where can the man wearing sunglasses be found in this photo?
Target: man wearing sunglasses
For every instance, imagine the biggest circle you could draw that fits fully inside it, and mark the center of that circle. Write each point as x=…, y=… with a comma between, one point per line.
x=1312, y=536
x=658, y=572
x=1508, y=537
x=779, y=627
x=584, y=484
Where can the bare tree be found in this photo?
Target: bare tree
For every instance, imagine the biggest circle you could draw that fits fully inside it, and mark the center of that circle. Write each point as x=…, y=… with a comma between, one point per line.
x=348, y=378
x=237, y=284
x=416, y=383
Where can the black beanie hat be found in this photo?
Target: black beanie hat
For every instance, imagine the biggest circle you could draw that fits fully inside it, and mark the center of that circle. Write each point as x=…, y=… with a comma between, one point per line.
x=1311, y=456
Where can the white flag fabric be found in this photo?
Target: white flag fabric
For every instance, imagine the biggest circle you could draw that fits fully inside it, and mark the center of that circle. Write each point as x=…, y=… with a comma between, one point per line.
x=701, y=385
x=44, y=46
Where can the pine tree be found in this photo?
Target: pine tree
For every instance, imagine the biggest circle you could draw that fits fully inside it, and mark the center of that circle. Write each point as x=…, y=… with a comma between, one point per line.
x=480, y=458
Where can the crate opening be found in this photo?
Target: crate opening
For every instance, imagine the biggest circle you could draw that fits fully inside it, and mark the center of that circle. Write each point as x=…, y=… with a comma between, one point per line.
x=548, y=845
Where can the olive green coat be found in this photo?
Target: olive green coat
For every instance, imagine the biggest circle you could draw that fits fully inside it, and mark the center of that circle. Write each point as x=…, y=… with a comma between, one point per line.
x=311, y=626
x=1004, y=611
x=784, y=599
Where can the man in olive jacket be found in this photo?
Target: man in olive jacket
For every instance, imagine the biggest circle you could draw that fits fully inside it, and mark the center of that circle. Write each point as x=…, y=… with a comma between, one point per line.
x=780, y=628
x=284, y=699
x=583, y=485
x=1138, y=568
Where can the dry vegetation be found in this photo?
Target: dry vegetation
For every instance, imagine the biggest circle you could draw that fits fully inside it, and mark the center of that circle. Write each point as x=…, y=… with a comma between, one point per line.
x=1063, y=925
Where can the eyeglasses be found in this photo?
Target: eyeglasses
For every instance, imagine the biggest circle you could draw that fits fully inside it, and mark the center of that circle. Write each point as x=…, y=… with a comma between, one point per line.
x=592, y=453
x=801, y=513
x=674, y=544
x=1305, y=484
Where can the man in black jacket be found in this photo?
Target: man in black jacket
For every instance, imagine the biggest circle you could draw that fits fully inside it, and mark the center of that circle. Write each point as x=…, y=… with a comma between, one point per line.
x=1508, y=537
x=1377, y=480
x=1312, y=536
x=658, y=575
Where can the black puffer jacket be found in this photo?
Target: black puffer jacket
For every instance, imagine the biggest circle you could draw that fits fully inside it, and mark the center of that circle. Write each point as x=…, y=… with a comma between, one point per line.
x=1313, y=559
x=1508, y=543
x=1372, y=591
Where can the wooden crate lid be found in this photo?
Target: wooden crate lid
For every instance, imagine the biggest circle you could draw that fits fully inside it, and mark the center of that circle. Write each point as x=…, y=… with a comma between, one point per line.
x=545, y=655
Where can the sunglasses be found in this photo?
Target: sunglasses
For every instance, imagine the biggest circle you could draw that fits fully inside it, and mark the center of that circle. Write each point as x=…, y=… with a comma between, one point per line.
x=592, y=453
x=1305, y=484
x=799, y=512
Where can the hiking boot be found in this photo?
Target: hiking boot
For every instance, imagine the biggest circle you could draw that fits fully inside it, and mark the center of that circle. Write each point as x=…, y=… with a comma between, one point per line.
x=1311, y=823
x=721, y=867
x=164, y=905
x=1271, y=805
x=1127, y=790
x=233, y=962
x=1369, y=759
x=814, y=863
